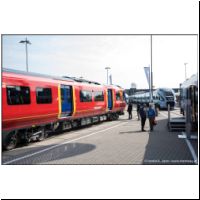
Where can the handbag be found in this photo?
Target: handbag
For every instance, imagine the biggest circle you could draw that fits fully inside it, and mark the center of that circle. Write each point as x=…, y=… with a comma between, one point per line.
x=154, y=122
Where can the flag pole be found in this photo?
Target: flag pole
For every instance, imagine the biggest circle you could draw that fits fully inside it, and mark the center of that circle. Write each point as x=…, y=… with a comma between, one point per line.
x=149, y=86
x=147, y=73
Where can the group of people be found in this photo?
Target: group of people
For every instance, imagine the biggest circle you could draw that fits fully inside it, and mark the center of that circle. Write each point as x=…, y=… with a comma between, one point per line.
x=143, y=112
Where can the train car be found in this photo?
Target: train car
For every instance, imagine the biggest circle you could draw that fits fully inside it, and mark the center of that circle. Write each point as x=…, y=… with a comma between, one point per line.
x=162, y=97
x=34, y=105
x=116, y=101
x=189, y=99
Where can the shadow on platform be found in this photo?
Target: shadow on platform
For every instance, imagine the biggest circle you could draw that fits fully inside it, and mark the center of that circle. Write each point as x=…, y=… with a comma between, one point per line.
x=165, y=148
x=52, y=154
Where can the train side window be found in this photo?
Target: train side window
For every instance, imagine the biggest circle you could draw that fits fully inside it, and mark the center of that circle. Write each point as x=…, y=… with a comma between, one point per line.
x=18, y=95
x=118, y=96
x=85, y=96
x=43, y=95
x=98, y=96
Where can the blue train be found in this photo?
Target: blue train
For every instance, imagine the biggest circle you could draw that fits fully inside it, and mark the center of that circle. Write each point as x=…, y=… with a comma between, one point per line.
x=162, y=97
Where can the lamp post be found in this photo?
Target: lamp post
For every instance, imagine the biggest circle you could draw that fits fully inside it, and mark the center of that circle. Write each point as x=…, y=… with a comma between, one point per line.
x=107, y=68
x=26, y=42
x=185, y=71
x=151, y=73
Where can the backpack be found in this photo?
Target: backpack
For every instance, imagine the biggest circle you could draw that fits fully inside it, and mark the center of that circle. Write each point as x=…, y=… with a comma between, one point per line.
x=151, y=112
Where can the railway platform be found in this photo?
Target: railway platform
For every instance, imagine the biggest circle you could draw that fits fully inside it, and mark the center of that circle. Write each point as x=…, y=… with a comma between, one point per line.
x=111, y=142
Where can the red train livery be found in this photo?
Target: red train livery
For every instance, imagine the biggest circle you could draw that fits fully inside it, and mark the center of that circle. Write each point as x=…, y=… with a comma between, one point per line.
x=34, y=105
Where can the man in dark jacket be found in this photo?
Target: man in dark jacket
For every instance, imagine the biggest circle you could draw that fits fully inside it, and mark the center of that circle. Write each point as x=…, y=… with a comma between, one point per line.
x=130, y=107
x=143, y=115
x=138, y=111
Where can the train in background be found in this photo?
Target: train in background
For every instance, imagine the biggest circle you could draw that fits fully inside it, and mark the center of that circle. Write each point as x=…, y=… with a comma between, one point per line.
x=162, y=97
x=34, y=105
x=189, y=97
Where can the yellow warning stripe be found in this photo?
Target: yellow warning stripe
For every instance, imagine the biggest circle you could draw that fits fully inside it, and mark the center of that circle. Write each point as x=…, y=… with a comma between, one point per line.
x=106, y=100
x=121, y=94
x=29, y=117
x=74, y=101
x=59, y=101
x=113, y=99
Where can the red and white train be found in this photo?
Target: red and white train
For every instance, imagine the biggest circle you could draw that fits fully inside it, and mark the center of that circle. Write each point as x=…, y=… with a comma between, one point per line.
x=35, y=104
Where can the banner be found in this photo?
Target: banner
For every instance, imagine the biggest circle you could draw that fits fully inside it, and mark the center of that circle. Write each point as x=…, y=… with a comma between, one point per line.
x=147, y=73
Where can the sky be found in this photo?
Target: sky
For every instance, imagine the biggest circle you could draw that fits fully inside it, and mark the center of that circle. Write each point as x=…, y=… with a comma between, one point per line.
x=87, y=56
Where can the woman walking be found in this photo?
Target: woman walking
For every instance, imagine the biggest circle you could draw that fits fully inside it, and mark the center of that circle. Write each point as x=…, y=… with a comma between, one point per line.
x=151, y=116
x=143, y=116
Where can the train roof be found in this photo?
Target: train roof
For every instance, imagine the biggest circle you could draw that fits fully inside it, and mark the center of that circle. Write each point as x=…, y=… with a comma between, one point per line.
x=63, y=78
x=114, y=86
x=81, y=80
x=165, y=89
x=142, y=92
x=193, y=80
x=36, y=74
x=154, y=91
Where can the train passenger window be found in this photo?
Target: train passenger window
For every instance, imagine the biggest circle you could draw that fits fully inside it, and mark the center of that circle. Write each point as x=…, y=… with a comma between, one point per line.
x=118, y=98
x=18, y=95
x=98, y=96
x=43, y=95
x=85, y=96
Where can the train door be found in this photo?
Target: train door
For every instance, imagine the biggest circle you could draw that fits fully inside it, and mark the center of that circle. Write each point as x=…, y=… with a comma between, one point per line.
x=192, y=96
x=66, y=100
x=110, y=101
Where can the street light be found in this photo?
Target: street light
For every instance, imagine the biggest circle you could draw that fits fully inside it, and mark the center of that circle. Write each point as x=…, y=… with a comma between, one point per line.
x=185, y=71
x=151, y=72
x=107, y=68
x=26, y=42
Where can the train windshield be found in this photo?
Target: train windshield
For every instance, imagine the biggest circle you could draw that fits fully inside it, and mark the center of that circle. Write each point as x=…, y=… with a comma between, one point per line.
x=167, y=92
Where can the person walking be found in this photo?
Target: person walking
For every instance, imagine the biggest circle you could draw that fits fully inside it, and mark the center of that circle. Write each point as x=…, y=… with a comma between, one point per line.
x=130, y=108
x=151, y=115
x=143, y=116
x=138, y=111
x=156, y=109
